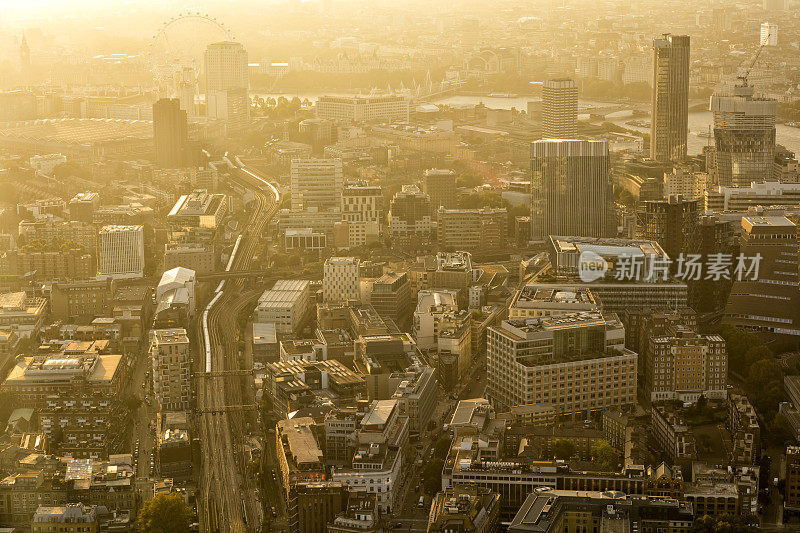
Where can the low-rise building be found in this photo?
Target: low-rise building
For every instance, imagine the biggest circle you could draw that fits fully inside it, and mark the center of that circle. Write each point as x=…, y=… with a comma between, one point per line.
x=745, y=431
x=72, y=518
x=287, y=305
x=483, y=230
x=34, y=379
x=464, y=509
x=674, y=436
x=22, y=314
x=568, y=511
x=194, y=256
x=80, y=300
x=532, y=301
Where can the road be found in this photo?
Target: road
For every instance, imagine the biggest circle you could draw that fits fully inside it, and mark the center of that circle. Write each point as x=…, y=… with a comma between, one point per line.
x=229, y=499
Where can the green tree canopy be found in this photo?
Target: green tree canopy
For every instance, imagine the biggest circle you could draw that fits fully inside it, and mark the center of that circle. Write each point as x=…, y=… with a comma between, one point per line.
x=605, y=456
x=722, y=524
x=432, y=476
x=166, y=513
x=563, y=449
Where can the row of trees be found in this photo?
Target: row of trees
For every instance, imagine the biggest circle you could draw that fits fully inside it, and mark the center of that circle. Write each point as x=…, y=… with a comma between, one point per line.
x=754, y=362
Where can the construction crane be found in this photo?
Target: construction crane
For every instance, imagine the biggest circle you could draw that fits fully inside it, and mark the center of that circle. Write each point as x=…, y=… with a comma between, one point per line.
x=743, y=78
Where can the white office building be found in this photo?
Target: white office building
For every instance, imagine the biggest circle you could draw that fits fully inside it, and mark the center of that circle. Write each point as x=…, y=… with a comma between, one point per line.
x=121, y=252
x=341, y=280
x=316, y=183
x=386, y=108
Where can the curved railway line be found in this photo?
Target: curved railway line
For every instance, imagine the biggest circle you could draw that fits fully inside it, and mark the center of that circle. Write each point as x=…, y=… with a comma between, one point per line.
x=229, y=501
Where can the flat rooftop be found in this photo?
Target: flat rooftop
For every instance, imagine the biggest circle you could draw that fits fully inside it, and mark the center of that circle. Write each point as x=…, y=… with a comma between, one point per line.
x=379, y=413
x=300, y=439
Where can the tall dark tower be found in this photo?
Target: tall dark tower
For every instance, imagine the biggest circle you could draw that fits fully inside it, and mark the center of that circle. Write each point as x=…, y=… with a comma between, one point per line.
x=24, y=54
x=170, y=133
x=670, y=98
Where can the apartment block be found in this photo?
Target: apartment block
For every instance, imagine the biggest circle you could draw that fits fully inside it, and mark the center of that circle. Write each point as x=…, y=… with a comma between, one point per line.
x=171, y=362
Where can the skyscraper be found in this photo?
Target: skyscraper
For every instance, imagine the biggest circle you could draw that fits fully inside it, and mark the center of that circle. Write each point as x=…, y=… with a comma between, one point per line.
x=227, y=82
x=571, y=189
x=316, y=183
x=226, y=66
x=670, y=98
x=744, y=138
x=559, y=109
x=170, y=133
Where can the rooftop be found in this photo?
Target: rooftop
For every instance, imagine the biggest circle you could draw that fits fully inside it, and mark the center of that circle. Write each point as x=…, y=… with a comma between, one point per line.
x=300, y=439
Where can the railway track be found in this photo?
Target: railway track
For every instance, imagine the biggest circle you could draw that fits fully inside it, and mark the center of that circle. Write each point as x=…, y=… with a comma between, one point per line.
x=227, y=495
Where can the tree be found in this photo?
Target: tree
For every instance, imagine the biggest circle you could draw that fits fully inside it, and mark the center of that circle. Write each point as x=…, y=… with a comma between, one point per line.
x=765, y=386
x=481, y=200
x=755, y=354
x=563, y=449
x=781, y=431
x=441, y=447
x=432, y=476
x=166, y=513
x=722, y=524
x=132, y=402
x=605, y=456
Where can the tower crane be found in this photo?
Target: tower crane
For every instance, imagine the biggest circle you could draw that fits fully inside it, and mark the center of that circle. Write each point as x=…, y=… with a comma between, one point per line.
x=743, y=77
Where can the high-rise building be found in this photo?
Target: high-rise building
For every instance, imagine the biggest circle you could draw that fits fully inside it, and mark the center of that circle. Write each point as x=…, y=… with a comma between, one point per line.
x=312, y=504
x=121, y=252
x=341, y=279
x=169, y=353
x=577, y=361
x=559, y=109
x=362, y=209
x=571, y=189
x=316, y=183
x=769, y=34
x=770, y=302
x=714, y=236
x=226, y=66
x=410, y=217
x=227, y=82
x=670, y=98
x=187, y=89
x=170, y=133
x=672, y=223
x=744, y=138
x=440, y=186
